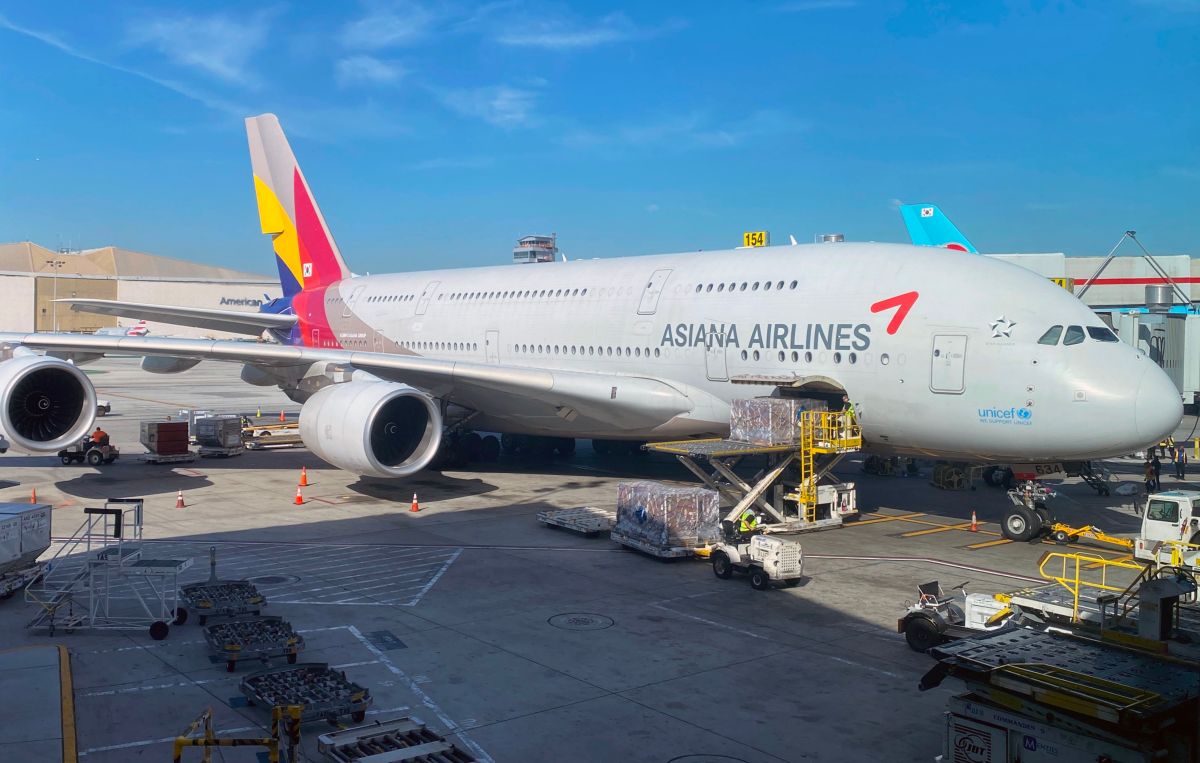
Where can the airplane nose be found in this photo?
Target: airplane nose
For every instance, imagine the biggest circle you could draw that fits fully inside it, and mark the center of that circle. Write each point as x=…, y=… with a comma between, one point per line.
x=1158, y=408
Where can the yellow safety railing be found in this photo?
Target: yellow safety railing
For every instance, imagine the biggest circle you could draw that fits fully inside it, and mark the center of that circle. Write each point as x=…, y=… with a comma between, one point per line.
x=199, y=733
x=1071, y=690
x=822, y=432
x=1068, y=570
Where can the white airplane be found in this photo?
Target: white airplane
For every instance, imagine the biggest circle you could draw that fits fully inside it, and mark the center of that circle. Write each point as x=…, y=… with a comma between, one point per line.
x=945, y=354
x=138, y=329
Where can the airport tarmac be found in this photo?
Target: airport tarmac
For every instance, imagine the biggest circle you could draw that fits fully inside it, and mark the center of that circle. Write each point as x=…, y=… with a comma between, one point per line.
x=524, y=642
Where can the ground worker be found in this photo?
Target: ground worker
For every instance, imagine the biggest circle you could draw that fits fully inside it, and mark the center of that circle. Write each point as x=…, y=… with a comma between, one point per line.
x=748, y=523
x=1180, y=462
x=1148, y=474
x=99, y=437
x=847, y=417
x=1156, y=467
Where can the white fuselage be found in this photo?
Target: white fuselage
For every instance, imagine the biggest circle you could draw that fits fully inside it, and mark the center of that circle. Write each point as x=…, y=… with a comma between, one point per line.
x=962, y=375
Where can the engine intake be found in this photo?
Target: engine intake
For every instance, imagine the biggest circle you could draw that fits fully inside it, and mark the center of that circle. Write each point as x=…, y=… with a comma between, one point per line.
x=377, y=429
x=46, y=404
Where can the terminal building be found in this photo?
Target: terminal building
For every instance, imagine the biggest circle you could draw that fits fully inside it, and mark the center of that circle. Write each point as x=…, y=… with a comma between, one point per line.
x=32, y=277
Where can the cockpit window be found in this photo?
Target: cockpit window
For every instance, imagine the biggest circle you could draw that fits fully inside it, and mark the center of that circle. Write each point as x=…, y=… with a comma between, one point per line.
x=1102, y=334
x=1051, y=336
x=1074, y=335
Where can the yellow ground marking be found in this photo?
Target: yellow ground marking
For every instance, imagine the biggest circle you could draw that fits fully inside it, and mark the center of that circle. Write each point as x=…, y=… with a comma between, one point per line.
x=936, y=529
x=887, y=518
x=990, y=543
x=67, y=690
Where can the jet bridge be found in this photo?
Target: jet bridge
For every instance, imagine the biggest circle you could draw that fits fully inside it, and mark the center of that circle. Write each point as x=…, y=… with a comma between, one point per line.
x=788, y=488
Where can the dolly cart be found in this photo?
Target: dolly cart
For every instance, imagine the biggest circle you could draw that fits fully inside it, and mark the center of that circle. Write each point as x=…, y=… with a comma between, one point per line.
x=222, y=598
x=766, y=559
x=403, y=740
x=322, y=691
x=253, y=638
x=936, y=617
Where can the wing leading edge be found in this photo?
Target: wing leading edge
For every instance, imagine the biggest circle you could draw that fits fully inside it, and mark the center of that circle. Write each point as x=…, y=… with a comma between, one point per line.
x=234, y=321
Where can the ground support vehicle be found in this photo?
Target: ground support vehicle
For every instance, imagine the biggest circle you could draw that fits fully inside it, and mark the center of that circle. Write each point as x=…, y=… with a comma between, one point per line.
x=400, y=740
x=93, y=453
x=663, y=552
x=935, y=617
x=256, y=638
x=767, y=559
x=14, y=580
x=282, y=745
x=787, y=491
x=320, y=690
x=222, y=598
x=1033, y=695
x=100, y=579
x=103, y=407
x=1170, y=531
x=586, y=520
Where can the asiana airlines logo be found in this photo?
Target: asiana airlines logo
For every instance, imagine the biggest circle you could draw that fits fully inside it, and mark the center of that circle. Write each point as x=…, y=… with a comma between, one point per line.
x=1012, y=415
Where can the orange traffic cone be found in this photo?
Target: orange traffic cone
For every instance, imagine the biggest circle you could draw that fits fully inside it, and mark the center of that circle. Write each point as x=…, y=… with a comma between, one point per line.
x=415, y=506
x=974, y=523
x=33, y=497
x=282, y=417
x=299, y=497
x=179, y=504
x=303, y=476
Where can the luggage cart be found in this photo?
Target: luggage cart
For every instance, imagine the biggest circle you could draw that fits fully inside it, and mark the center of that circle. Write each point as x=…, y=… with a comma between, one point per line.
x=254, y=638
x=322, y=691
x=402, y=740
x=221, y=598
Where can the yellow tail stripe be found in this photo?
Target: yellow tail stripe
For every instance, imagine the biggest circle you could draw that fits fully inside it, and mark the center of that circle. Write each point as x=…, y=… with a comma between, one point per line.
x=274, y=220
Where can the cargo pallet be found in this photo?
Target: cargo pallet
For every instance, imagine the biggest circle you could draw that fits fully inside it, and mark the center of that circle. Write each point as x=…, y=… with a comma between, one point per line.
x=167, y=458
x=403, y=740
x=212, y=451
x=258, y=638
x=587, y=520
x=222, y=598
x=322, y=692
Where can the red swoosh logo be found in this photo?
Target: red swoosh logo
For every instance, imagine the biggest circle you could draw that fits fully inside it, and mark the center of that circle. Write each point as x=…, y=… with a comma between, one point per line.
x=903, y=301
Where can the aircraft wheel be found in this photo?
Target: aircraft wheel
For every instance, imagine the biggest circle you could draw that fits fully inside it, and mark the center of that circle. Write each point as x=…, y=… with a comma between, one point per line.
x=470, y=447
x=564, y=446
x=489, y=449
x=1021, y=524
x=921, y=634
x=759, y=579
x=509, y=443
x=722, y=567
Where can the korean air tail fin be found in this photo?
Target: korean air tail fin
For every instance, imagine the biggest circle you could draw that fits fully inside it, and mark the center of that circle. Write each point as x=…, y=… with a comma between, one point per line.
x=305, y=251
x=928, y=226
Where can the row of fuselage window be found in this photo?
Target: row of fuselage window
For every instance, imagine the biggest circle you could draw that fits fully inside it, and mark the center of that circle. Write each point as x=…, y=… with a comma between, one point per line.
x=620, y=352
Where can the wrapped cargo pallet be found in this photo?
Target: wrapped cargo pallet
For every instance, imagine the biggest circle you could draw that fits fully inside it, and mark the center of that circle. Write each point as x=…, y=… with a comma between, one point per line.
x=665, y=516
x=219, y=431
x=769, y=420
x=165, y=438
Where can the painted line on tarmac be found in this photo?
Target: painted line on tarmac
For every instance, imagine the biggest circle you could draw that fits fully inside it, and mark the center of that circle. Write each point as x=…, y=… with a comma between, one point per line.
x=304, y=543
x=888, y=518
x=938, y=529
x=926, y=560
x=451, y=727
x=713, y=623
x=421, y=594
x=989, y=543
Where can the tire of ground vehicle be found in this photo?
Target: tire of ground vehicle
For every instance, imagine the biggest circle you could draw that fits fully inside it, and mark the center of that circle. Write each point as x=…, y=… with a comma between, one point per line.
x=159, y=630
x=759, y=579
x=181, y=616
x=1060, y=536
x=1021, y=524
x=921, y=633
x=721, y=565
x=67, y=460
x=95, y=457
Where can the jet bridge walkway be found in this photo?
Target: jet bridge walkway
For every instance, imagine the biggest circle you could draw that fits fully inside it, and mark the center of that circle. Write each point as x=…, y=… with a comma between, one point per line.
x=788, y=488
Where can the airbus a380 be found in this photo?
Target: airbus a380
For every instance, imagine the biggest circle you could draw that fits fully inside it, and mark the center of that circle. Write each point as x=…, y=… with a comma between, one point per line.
x=944, y=353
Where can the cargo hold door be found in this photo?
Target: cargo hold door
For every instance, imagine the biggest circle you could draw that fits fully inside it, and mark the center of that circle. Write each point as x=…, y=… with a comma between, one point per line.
x=949, y=364
x=716, y=364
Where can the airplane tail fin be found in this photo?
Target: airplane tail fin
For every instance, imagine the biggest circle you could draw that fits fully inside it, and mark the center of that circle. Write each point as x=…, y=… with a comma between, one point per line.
x=305, y=251
x=928, y=226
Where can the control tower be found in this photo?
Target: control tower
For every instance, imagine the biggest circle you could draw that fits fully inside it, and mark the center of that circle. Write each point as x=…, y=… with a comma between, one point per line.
x=536, y=249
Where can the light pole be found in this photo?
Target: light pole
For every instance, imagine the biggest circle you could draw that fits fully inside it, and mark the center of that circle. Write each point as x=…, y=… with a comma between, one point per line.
x=57, y=265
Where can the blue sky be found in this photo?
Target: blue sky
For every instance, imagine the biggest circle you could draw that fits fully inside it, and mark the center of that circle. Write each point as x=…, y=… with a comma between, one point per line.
x=434, y=135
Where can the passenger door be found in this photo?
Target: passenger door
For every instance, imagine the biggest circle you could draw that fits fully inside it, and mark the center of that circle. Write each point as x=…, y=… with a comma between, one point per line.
x=377, y=341
x=491, y=347
x=653, y=291
x=716, y=364
x=948, y=371
x=423, y=303
x=351, y=300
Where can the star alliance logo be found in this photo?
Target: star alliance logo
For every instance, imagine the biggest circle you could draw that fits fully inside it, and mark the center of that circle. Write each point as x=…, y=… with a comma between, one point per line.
x=1002, y=327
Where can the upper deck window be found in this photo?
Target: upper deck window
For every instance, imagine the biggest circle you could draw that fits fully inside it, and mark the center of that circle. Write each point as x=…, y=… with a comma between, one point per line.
x=1051, y=336
x=1102, y=334
x=1074, y=335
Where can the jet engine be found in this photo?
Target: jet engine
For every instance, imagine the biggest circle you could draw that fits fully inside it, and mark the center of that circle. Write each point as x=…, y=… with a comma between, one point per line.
x=373, y=428
x=46, y=404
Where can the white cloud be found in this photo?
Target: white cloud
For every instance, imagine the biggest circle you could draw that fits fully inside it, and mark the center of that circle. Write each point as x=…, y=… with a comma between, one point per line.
x=689, y=131
x=388, y=24
x=500, y=105
x=218, y=45
x=368, y=70
x=563, y=35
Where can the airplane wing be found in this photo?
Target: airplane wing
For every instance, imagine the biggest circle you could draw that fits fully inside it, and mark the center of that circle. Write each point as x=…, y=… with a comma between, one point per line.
x=234, y=321
x=623, y=401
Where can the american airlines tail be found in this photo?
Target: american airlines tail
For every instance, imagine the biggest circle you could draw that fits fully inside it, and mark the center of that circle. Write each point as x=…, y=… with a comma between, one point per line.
x=928, y=226
x=305, y=252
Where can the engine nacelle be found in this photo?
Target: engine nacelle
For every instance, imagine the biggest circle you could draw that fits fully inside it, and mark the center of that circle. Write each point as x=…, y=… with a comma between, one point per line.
x=46, y=404
x=373, y=428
